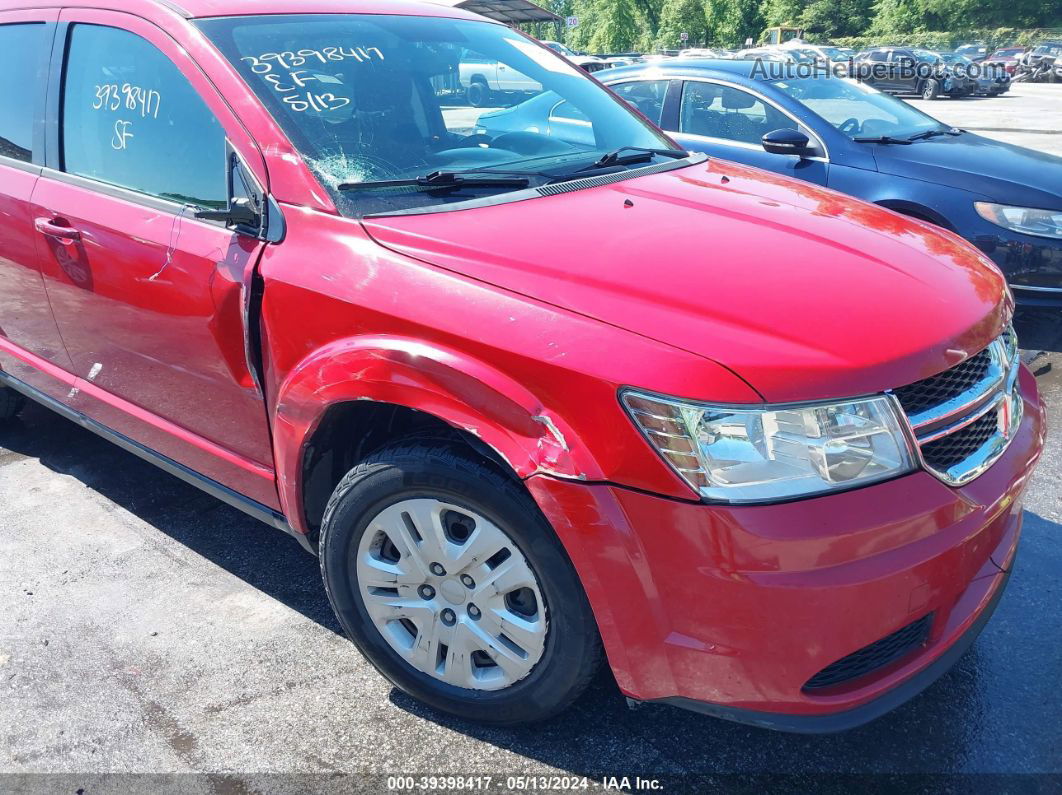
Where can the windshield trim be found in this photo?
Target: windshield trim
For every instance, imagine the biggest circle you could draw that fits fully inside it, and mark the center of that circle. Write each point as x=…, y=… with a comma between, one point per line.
x=545, y=191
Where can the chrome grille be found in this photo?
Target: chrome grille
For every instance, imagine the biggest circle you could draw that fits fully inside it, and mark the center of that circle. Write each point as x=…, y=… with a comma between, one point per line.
x=933, y=391
x=964, y=418
x=955, y=448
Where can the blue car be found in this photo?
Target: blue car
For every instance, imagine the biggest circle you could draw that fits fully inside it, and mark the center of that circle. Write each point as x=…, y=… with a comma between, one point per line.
x=848, y=136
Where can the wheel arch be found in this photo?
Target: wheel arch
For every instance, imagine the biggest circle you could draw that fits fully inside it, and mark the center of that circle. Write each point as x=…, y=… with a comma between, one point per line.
x=351, y=386
x=917, y=211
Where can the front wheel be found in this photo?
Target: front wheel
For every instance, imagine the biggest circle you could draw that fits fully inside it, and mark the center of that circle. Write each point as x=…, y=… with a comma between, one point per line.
x=451, y=582
x=930, y=89
x=11, y=403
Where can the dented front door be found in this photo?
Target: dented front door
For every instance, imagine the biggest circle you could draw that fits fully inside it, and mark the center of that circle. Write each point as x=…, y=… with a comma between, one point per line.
x=149, y=300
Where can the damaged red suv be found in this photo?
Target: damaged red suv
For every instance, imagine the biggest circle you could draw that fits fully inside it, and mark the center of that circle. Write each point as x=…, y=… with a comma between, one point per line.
x=533, y=398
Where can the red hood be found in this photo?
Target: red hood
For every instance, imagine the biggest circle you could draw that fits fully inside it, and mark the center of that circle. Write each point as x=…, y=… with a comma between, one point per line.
x=803, y=292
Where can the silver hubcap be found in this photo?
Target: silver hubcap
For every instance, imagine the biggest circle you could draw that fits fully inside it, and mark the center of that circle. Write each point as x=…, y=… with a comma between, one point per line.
x=452, y=594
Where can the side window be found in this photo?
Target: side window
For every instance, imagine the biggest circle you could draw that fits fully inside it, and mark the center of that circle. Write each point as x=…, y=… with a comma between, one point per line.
x=570, y=124
x=730, y=114
x=131, y=119
x=468, y=56
x=879, y=55
x=646, y=95
x=21, y=46
x=568, y=112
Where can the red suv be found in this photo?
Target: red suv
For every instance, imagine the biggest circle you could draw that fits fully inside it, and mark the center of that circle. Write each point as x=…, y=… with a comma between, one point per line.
x=531, y=397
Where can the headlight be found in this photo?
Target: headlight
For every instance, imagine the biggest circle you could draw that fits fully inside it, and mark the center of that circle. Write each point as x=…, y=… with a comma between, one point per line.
x=1026, y=220
x=760, y=454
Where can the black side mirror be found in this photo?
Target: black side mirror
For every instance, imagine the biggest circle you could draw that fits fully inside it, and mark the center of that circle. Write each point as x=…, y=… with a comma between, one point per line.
x=250, y=211
x=786, y=142
x=240, y=212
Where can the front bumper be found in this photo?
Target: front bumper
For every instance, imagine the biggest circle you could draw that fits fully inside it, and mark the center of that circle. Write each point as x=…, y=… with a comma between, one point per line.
x=1032, y=265
x=954, y=86
x=731, y=610
x=871, y=710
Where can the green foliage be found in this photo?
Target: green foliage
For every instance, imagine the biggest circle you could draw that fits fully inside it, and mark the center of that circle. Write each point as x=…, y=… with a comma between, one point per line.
x=837, y=17
x=937, y=40
x=783, y=12
x=643, y=25
x=606, y=26
x=732, y=22
x=825, y=18
x=682, y=16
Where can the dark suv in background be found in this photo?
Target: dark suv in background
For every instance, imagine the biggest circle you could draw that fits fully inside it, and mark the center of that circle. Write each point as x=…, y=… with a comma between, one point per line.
x=910, y=71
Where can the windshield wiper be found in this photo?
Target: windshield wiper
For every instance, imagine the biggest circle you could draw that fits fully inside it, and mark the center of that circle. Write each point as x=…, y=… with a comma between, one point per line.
x=882, y=139
x=639, y=155
x=439, y=181
x=930, y=134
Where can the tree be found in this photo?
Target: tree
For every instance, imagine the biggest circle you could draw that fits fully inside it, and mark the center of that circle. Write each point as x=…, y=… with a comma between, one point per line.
x=606, y=26
x=622, y=25
x=682, y=16
x=833, y=18
x=783, y=12
x=650, y=11
x=914, y=16
x=732, y=22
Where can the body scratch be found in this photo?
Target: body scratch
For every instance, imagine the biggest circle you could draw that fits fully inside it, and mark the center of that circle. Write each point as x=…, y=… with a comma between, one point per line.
x=175, y=237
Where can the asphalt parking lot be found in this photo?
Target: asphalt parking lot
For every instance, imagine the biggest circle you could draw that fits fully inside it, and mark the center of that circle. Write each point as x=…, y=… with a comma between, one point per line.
x=148, y=628
x=1030, y=114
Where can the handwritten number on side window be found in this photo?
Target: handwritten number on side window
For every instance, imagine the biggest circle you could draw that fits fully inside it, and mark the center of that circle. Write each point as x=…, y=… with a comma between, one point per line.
x=112, y=97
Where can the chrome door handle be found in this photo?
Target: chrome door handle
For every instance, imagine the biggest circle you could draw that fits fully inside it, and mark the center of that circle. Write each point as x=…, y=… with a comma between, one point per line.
x=46, y=226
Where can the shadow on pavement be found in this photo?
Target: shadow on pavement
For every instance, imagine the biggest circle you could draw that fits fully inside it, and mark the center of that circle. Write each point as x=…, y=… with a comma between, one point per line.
x=265, y=558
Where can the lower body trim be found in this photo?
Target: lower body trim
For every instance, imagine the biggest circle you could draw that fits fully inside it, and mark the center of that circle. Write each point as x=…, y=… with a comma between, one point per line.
x=262, y=513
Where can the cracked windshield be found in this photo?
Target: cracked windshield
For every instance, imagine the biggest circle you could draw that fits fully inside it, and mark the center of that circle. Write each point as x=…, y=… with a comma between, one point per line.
x=408, y=113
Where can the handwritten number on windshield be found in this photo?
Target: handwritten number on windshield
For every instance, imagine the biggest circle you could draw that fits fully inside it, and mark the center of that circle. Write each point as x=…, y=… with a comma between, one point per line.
x=289, y=60
x=289, y=80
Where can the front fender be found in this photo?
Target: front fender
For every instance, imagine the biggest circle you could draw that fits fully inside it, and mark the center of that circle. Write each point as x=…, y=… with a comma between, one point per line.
x=917, y=210
x=460, y=390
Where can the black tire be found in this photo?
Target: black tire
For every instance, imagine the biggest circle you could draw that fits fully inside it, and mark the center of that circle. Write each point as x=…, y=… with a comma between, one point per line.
x=478, y=93
x=931, y=88
x=11, y=403
x=432, y=469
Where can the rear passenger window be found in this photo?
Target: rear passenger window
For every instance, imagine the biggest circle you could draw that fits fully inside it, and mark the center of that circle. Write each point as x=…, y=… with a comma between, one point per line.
x=21, y=46
x=131, y=119
x=727, y=113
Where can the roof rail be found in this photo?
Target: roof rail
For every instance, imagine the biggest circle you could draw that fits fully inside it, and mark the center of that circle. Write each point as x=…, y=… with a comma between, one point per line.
x=177, y=8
